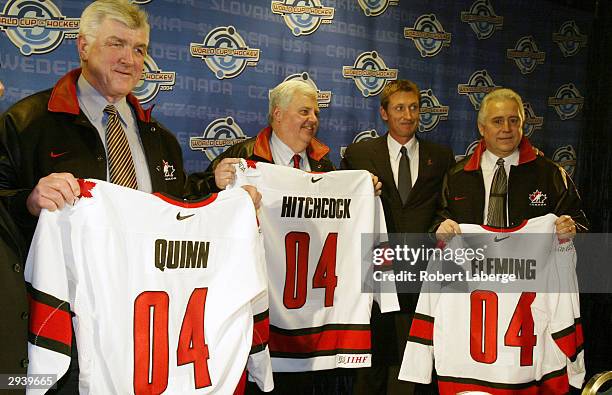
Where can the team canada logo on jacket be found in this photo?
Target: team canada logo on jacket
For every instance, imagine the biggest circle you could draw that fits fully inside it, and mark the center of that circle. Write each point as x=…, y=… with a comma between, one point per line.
x=537, y=198
x=168, y=171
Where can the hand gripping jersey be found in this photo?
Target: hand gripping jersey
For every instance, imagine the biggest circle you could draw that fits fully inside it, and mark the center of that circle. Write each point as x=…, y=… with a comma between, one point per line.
x=160, y=293
x=312, y=225
x=502, y=342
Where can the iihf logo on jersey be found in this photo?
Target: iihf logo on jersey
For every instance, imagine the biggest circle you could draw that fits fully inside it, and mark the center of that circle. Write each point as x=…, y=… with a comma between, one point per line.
x=526, y=55
x=323, y=97
x=566, y=158
x=482, y=19
x=152, y=81
x=36, y=27
x=569, y=39
x=432, y=112
x=532, y=122
x=537, y=198
x=217, y=137
x=479, y=84
x=428, y=35
x=567, y=101
x=468, y=151
x=225, y=52
x=168, y=171
x=376, y=7
x=370, y=73
x=361, y=136
x=303, y=16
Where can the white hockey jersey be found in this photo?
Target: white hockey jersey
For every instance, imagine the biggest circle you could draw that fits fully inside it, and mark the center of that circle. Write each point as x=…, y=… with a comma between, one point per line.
x=502, y=342
x=312, y=225
x=161, y=297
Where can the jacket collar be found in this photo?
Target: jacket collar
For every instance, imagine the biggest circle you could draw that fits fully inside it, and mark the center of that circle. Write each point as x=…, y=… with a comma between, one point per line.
x=64, y=97
x=316, y=150
x=526, y=154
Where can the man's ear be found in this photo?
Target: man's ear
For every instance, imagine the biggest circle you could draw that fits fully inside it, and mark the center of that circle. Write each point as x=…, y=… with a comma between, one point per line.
x=383, y=114
x=480, y=129
x=83, y=47
x=276, y=114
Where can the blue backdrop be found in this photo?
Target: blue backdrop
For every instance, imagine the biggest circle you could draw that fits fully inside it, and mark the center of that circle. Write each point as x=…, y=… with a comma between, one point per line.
x=212, y=63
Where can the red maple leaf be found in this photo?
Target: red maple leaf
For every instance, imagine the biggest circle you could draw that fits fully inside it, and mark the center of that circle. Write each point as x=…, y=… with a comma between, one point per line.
x=86, y=187
x=251, y=163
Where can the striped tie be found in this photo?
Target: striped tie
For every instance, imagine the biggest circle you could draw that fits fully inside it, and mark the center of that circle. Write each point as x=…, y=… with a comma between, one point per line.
x=120, y=164
x=496, y=215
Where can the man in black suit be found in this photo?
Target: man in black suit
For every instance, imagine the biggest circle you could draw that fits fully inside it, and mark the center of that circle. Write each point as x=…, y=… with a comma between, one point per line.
x=409, y=205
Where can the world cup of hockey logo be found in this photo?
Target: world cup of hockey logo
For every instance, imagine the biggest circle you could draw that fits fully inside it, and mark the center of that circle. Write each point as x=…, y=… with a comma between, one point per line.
x=428, y=35
x=323, y=97
x=566, y=158
x=36, y=27
x=482, y=19
x=468, y=151
x=361, y=136
x=432, y=112
x=526, y=55
x=376, y=7
x=370, y=73
x=532, y=122
x=225, y=52
x=569, y=39
x=479, y=84
x=152, y=81
x=303, y=16
x=217, y=137
x=567, y=101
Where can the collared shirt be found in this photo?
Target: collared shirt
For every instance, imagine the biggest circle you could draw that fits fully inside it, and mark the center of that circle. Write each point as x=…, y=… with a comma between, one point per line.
x=412, y=148
x=92, y=104
x=283, y=155
x=488, y=165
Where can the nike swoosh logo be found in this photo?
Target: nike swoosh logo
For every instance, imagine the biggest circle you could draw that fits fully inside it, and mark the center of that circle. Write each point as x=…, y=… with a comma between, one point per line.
x=182, y=217
x=497, y=239
x=459, y=198
x=54, y=155
x=313, y=180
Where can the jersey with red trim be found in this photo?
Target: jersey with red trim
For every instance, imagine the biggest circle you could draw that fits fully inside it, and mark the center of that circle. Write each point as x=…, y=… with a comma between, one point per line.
x=502, y=342
x=162, y=299
x=312, y=225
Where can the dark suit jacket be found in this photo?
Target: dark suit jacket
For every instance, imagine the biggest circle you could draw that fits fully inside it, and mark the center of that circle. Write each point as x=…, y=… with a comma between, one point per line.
x=390, y=331
x=13, y=300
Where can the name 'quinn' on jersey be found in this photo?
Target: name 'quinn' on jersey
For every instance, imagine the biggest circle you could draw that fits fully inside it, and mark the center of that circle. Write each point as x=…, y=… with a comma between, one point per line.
x=315, y=207
x=174, y=254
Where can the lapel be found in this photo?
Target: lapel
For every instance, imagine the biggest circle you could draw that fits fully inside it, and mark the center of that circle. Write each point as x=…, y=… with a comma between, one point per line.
x=425, y=165
x=152, y=150
x=382, y=167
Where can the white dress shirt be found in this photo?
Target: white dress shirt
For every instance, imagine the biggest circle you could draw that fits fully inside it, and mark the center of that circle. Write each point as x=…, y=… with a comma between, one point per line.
x=92, y=103
x=488, y=164
x=283, y=155
x=412, y=148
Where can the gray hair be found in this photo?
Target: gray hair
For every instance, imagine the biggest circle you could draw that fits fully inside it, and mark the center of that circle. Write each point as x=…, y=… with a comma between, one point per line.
x=497, y=95
x=284, y=92
x=119, y=10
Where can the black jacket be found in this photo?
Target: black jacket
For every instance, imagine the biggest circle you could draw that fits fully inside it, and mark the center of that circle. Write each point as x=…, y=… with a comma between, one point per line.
x=48, y=133
x=256, y=148
x=13, y=303
x=537, y=186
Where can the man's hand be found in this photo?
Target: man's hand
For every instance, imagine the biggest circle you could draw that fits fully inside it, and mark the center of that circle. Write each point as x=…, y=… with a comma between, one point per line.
x=447, y=230
x=377, y=185
x=53, y=192
x=1, y=89
x=254, y=194
x=565, y=227
x=225, y=173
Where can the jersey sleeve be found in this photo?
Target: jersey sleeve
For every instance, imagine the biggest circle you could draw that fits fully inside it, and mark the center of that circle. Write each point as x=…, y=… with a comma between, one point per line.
x=386, y=295
x=47, y=279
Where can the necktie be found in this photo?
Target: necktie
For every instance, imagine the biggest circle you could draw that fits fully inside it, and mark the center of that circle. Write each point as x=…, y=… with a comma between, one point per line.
x=404, y=180
x=496, y=215
x=120, y=164
x=296, y=161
